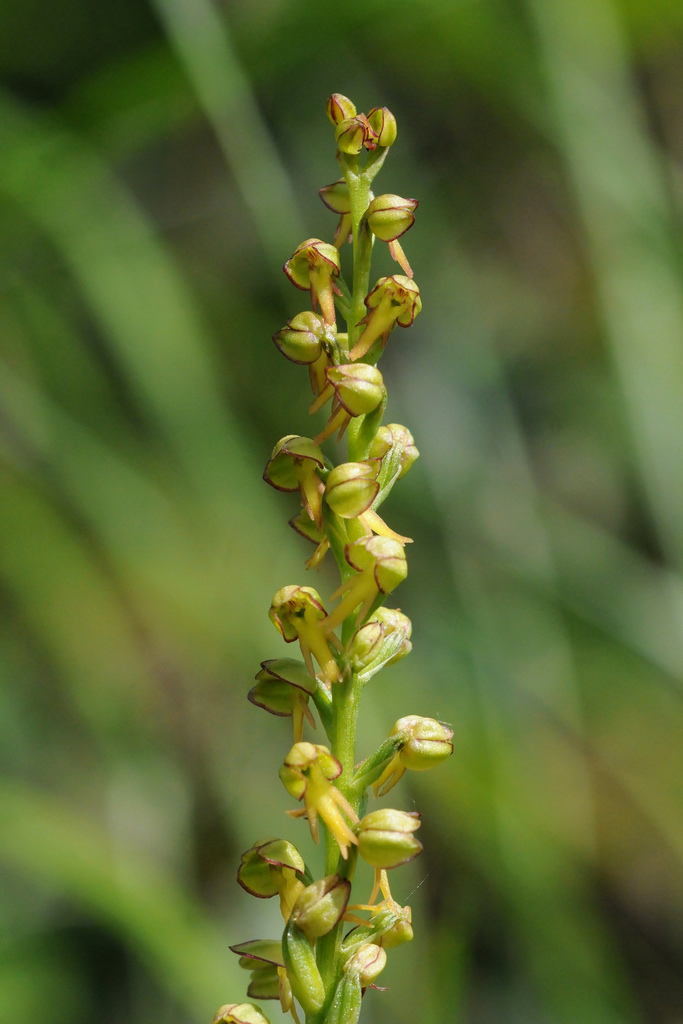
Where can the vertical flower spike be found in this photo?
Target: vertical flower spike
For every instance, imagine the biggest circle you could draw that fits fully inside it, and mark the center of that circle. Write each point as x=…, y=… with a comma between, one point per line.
x=381, y=565
x=293, y=466
x=306, y=776
x=312, y=266
x=393, y=300
x=315, y=967
x=283, y=687
x=336, y=198
x=388, y=218
x=298, y=614
x=358, y=389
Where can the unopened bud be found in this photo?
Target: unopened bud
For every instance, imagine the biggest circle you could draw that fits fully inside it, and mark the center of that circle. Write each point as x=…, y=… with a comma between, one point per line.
x=395, y=446
x=428, y=742
x=321, y=905
x=384, y=123
x=385, y=838
x=400, y=932
x=240, y=1013
x=384, y=640
x=390, y=216
x=261, y=868
x=352, y=487
x=368, y=962
x=358, y=387
x=292, y=457
x=354, y=133
x=339, y=108
x=301, y=339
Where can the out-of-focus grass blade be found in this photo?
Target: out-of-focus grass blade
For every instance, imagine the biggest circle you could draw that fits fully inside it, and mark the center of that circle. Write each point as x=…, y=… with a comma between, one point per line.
x=203, y=42
x=75, y=858
x=133, y=288
x=621, y=193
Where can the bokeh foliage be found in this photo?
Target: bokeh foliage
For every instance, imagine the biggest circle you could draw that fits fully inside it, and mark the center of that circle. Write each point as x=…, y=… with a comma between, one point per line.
x=158, y=162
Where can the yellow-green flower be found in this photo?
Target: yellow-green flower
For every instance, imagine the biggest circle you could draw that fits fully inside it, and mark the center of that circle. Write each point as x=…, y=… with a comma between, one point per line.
x=306, y=775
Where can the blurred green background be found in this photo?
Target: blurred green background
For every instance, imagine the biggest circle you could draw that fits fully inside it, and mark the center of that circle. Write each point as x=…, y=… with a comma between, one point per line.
x=158, y=162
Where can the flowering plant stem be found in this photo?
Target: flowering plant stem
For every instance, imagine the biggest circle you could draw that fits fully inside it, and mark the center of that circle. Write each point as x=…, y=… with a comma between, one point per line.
x=315, y=967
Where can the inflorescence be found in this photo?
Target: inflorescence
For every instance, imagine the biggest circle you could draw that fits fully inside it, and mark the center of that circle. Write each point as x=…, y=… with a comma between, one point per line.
x=314, y=964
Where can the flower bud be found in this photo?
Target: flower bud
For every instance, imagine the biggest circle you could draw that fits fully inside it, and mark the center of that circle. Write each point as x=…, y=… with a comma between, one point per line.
x=394, y=445
x=354, y=133
x=336, y=196
x=384, y=123
x=321, y=905
x=359, y=388
x=385, y=838
x=262, y=867
x=292, y=457
x=390, y=216
x=352, y=487
x=301, y=339
x=240, y=1013
x=428, y=742
x=367, y=962
x=425, y=744
x=339, y=108
x=384, y=640
x=401, y=931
